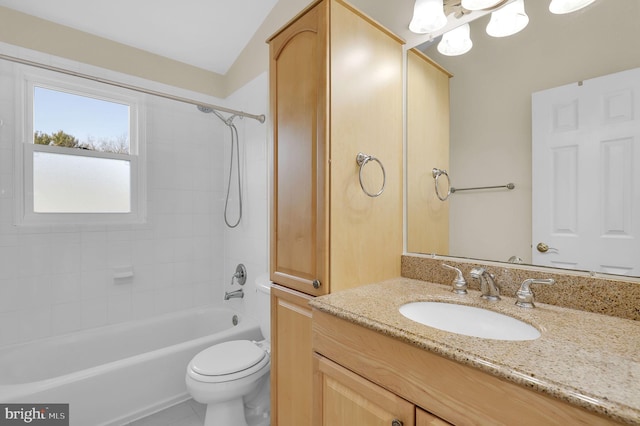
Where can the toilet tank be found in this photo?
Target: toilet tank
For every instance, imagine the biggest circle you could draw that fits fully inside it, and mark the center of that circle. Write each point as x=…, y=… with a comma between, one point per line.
x=263, y=287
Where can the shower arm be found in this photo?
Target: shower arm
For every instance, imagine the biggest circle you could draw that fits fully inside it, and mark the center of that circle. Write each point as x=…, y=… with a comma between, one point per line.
x=227, y=121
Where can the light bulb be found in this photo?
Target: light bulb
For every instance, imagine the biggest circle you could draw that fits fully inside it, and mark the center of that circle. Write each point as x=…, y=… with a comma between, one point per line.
x=560, y=7
x=456, y=42
x=508, y=20
x=428, y=16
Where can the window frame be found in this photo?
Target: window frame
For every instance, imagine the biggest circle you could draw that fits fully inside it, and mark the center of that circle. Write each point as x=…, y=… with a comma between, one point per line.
x=29, y=79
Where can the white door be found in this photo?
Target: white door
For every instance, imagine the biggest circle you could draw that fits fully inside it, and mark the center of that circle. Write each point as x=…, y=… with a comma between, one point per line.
x=586, y=175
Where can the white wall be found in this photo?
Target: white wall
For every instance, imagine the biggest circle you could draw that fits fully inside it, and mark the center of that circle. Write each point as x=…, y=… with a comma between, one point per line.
x=58, y=280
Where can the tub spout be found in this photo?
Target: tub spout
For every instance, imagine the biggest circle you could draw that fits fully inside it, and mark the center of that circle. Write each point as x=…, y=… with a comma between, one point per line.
x=233, y=294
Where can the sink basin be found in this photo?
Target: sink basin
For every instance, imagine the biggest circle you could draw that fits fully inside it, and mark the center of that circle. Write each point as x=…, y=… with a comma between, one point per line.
x=469, y=321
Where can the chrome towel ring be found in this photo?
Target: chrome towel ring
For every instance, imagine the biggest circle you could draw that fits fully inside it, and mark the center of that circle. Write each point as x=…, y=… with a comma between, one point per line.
x=362, y=160
x=436, y=175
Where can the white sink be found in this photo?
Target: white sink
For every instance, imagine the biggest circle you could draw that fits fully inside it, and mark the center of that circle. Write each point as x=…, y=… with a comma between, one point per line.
x=469, y=321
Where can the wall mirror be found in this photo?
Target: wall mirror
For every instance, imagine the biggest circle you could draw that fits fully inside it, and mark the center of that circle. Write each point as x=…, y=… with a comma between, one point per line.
x=490, y=141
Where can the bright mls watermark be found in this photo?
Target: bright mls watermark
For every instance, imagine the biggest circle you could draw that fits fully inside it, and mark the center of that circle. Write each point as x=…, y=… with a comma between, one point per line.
x=34, y=414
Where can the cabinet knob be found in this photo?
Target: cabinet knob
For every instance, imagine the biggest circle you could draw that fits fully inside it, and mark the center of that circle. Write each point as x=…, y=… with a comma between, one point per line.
x=316, y=283
x=396, y=422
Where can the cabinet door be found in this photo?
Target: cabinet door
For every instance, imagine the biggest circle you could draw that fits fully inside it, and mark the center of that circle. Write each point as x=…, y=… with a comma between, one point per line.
x=345, y=399
x=291, y=358
x=424, y=418
x=299, y=244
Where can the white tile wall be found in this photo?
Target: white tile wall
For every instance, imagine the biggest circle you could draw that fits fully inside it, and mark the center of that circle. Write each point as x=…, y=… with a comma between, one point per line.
x=55, y=280
x=248, y=243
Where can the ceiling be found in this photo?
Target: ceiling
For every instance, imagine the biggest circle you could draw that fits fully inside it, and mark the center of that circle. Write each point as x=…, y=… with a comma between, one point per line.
x=208, y=34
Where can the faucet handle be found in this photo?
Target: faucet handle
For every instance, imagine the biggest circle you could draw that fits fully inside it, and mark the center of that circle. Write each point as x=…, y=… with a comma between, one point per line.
x=240, y=275
x=525, y=296
x=459, y=283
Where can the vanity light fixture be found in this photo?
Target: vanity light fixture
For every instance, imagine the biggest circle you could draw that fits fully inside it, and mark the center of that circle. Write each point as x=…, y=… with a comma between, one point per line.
x=456, y=42
x=428, y=16
x=480, y=4
x=560, y=7
x=508, y=20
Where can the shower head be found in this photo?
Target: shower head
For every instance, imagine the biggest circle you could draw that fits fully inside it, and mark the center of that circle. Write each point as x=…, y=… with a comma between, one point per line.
x=205, y=109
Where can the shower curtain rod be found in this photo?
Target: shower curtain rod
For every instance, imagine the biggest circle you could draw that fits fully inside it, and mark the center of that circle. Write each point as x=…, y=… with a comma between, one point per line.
x=259, y=118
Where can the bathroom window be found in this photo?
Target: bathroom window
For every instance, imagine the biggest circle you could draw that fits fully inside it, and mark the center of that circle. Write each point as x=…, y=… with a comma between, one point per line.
x=82, y=152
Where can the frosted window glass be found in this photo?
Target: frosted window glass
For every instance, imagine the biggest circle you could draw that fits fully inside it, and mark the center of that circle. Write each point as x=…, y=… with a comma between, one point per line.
x=78, y=184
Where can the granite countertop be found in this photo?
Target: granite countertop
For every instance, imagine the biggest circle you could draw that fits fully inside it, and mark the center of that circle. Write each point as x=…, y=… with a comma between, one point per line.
x=586, y=359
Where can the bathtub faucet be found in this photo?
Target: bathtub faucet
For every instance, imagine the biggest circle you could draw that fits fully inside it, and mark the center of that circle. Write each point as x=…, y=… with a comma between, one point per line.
x=240, y=275
x=233, y=294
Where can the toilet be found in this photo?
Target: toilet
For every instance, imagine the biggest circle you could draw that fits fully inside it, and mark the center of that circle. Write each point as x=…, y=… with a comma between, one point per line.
x=232, y=378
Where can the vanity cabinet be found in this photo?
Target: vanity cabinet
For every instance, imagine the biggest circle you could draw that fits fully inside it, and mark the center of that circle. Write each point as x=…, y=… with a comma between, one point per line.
x=424, y=418
x=346, y=399
x=442, y=390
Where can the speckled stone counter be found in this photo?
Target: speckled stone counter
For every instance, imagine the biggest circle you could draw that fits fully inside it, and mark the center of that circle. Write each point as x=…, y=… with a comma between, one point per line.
x=575, y=290
x=586, y=359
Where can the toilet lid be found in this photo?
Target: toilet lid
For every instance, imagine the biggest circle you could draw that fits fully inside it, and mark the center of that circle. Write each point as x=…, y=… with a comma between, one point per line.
x=227, y=357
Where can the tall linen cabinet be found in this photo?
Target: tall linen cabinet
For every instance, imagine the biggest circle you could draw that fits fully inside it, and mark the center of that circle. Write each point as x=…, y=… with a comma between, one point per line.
x=336, y=91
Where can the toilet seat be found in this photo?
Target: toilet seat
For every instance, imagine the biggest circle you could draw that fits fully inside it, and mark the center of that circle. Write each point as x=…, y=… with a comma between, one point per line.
x=228, y=361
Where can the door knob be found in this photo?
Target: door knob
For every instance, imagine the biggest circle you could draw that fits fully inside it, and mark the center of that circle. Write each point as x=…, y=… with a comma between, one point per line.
x=543, y=248
x=396, y=422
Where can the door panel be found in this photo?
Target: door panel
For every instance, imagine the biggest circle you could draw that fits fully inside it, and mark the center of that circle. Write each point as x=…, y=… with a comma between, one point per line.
x=299, y=227
x=586, y=174
x=346, y=399
x=291, y=358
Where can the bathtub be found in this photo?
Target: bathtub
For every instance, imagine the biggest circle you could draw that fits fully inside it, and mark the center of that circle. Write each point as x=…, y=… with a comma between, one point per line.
x=114, y=374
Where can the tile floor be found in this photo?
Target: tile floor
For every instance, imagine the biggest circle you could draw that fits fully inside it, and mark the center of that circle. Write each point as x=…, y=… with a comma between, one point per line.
x=188, y=413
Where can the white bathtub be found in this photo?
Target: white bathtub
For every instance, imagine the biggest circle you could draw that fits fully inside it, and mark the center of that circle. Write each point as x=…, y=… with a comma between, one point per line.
x=114, y=374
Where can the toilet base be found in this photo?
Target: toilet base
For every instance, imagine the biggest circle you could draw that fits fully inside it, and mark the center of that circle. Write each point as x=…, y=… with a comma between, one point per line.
x=257, y=404
x=226, y=413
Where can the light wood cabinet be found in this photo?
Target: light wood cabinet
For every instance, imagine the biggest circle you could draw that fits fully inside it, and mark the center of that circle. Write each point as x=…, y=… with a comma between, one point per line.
x=346, y=399
x=342, y=398
x=335, y=82
x=336, y=90
x=445, y=389
x=298, y=92
x=424, y=418
x=427, y=147
x=291, y=357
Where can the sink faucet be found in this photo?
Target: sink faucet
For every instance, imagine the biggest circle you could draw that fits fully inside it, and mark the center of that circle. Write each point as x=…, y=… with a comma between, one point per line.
x=525, y=295
x=233, y=294
x=488, y=286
